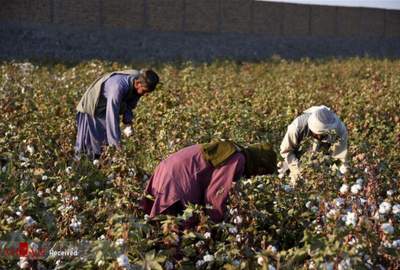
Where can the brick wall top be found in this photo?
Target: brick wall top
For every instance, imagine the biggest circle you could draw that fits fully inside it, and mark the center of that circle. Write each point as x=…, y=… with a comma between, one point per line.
x=207, y=16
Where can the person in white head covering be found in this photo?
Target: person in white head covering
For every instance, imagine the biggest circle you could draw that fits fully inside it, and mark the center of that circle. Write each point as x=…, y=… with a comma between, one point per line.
x=319, y=122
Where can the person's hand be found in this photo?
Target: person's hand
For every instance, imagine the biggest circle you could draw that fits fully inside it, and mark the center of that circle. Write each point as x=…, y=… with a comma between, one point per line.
x=295, y=176
x=344, y=168
x=128, y=131
x=283, y=167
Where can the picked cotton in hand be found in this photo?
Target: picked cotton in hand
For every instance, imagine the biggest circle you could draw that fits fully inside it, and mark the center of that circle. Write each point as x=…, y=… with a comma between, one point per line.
x=128, y=131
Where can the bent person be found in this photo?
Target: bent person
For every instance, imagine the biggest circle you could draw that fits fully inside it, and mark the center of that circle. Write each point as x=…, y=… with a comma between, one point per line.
x=327, y=131
x=203, y=174
x=107, y=98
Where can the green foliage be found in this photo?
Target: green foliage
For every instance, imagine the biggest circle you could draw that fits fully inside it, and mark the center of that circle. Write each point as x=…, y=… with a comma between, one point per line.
x=267, y=224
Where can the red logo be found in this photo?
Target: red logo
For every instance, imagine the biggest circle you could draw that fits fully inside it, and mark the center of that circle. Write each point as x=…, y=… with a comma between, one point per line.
x=23, y=249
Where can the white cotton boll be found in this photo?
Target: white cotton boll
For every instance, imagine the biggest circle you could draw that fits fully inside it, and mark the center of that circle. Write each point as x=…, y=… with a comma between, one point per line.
x=345, y=264
x=96, y=162
x=123, y=261
x=271, y=267
x=334, y=168
x=44, y=177
x=30, y=149
x=396, y=209
x=29, y=221
x=344, y=189
x=238, y=238
x=272, y=248
x=351, y=219
x=308, y=204
x=200, y=263
x=360, y=181
x=168, y=265
x=22, y=158
x=128, y=131
x=396, y=243
x=200, y=244
x=384, y=208
x=208, y=258
x=233, y=211
x=387, y=228
x=68, y=170
x=353, y=241
x=4, y=169
x=10, y=220
x=75, y=224
x=356, y=188
x=331, y=214
x=233, y=230
x=207, y=235
x=260, y=261
x=18, y=213
x=339, y=202
x=23, y=263
x=387, y=244
x=34, y=246
x=343, y=169
x=328, y=266
x=40, y=194
x=390, y=192
x=238, y=220
x=59, y=188
x=236, y=263
x=119, y=242
x=247, y=182
x=101, y=237
x=363, y=201
x=287, y=188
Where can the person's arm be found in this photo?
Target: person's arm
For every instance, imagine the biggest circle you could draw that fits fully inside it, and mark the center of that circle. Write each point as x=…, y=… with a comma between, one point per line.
x=128, y=114
x=114, y=97
x=339, y=149
x=221, y=183
x=289, y=145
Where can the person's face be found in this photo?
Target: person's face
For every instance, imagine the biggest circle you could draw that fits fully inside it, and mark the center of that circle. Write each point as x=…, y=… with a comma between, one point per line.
x=258, y=171
x=319, y=137
x=141, y=90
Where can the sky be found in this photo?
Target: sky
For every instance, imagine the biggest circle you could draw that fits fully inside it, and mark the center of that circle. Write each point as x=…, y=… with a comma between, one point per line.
x=386, y=4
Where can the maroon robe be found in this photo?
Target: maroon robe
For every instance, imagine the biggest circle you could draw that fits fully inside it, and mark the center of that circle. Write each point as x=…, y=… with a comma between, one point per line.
x=186, y=177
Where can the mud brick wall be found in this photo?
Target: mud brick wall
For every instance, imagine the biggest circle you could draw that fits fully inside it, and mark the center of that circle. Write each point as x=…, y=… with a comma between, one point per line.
x=192, y=29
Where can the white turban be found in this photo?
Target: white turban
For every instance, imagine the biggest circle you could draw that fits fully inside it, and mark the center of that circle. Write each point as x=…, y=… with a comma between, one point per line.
x=321, y=120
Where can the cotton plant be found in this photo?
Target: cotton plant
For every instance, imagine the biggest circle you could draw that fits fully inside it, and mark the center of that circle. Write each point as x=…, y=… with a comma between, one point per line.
x=286, y=226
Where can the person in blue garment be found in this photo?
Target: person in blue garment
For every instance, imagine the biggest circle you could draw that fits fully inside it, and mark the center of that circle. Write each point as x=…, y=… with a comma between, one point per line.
x=113, y=94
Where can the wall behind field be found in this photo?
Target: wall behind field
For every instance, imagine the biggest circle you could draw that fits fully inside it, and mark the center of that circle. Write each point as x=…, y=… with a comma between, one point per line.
x=192, y=29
